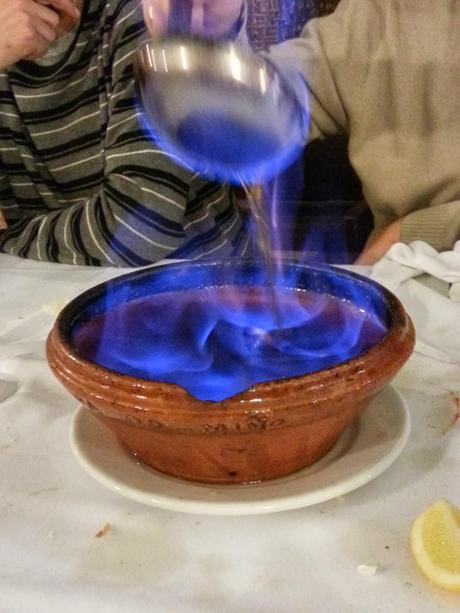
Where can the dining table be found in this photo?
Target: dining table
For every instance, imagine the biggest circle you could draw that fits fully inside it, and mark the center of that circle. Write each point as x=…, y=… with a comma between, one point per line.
x=71, y=545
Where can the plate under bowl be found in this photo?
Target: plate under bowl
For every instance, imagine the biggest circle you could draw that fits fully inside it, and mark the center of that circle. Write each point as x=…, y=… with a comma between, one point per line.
x=363, y=452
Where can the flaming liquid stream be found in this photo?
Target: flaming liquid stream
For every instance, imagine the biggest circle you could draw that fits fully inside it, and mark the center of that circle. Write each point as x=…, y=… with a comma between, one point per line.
x=259, y=216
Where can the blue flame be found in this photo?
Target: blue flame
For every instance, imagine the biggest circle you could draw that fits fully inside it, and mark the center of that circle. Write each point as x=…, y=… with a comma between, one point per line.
x=220, y=148
x=204, y=327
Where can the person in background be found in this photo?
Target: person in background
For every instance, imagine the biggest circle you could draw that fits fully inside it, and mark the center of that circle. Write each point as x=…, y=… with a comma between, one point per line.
x=81, y=181
x=385, y=73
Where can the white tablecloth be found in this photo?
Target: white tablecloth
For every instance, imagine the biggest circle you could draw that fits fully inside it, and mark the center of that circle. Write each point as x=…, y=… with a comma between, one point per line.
x=157, y=561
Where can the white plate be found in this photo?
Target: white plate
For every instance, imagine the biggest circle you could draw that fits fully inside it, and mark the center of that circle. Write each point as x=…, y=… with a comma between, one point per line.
x=362, y=453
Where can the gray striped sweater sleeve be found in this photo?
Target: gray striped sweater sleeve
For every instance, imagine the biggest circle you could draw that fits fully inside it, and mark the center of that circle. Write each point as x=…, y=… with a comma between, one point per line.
x=3, y=186
x=142, y=201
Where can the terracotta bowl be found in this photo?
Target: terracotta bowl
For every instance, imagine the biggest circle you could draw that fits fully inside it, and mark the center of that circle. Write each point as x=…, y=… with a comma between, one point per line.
x=267, y=431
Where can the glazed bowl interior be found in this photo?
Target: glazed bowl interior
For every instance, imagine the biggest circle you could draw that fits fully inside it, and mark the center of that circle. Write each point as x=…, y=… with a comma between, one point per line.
x=183, y=278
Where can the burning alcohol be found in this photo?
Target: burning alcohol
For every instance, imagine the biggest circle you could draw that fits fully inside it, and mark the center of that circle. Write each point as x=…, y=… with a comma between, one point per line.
x=218, y=341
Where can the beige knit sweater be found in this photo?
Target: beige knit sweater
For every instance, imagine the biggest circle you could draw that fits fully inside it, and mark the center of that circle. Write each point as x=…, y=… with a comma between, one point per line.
x=387, y=72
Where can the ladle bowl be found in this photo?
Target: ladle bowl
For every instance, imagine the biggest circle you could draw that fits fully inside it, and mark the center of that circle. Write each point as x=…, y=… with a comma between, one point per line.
x=269, y=430
x=220, y=109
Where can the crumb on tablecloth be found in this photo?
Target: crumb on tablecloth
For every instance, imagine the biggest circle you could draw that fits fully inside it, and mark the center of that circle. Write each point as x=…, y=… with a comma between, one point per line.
x=104, y=531
x=368, y=571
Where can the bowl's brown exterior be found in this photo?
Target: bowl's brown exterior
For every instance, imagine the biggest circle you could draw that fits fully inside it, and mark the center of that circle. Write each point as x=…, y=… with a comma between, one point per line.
x=265, y=432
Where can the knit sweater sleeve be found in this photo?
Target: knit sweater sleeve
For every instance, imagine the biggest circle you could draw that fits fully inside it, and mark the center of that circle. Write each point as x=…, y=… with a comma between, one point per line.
x=7, y=200
x=3, y=188
x=439, y=226
x=137, y=216
x=327, y=63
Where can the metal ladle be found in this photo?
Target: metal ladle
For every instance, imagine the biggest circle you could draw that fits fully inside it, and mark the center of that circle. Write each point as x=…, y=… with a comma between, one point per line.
x=220, y=109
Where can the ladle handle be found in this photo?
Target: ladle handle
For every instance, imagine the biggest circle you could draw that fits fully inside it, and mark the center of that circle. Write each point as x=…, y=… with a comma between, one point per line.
x=180, y=17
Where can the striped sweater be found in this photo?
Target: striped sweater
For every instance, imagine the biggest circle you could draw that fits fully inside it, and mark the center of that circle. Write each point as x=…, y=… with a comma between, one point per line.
x=80, y=180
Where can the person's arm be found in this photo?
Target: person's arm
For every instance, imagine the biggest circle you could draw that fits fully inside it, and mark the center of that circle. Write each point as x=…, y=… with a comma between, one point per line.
x=3, y=190
x=7, y=200
x=329, y=60
x=137, y=216
x=378, y=245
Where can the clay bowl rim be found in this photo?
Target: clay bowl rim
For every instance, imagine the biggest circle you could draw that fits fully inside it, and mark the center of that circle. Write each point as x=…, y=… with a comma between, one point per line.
x=399, y=325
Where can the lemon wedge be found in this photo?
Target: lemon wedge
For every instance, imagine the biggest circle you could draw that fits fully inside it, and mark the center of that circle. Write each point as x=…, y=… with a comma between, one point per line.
x=435, y=544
